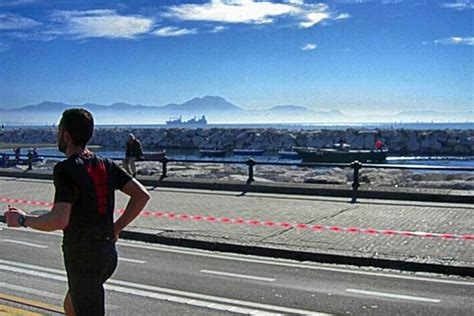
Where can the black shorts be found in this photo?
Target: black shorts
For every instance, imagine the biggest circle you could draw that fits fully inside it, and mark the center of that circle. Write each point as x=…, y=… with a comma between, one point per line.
x=88, y=266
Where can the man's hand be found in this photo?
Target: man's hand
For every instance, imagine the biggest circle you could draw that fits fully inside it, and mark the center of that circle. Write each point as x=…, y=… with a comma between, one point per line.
x=12, y=216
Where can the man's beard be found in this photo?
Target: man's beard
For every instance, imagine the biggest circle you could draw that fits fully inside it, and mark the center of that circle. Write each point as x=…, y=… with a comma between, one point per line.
x=62, y=146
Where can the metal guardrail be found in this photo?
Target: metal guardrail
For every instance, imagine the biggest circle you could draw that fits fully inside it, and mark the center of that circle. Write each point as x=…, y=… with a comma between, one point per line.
x=356, y=166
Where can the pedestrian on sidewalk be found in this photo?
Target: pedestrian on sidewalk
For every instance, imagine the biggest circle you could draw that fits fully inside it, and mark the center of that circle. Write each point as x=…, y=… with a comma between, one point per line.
x=378, y=144
x=17, y=153
x=30, y=160
x=133, y=153
x=84, y=208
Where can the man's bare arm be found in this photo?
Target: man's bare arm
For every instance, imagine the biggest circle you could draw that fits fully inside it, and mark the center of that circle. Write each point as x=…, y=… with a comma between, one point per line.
x=57, y=218
x=139, y=196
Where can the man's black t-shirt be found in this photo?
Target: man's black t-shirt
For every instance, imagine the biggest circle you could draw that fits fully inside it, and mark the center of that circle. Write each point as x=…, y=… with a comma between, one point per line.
x=88, y=182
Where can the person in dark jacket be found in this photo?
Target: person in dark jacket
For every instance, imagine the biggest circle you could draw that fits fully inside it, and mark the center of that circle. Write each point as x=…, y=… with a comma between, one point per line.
x=133, y=153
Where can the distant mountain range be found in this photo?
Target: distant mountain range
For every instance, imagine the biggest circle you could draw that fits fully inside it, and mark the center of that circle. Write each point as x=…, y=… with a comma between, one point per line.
x=216, y=109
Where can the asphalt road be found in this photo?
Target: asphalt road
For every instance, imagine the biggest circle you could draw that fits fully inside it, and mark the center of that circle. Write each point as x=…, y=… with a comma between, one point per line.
x=158, y=280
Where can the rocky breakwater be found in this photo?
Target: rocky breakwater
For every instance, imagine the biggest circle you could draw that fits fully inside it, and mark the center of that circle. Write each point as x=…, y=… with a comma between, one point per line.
x=399, y=141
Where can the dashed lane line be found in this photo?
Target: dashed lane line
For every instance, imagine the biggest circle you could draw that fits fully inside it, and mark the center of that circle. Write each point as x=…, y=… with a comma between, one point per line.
x=24, y=243
x=239, y=276
x=131, y=260
x=395, y=296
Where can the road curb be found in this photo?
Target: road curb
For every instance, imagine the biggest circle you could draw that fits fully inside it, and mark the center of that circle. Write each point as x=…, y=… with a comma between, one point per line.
x=299, y=255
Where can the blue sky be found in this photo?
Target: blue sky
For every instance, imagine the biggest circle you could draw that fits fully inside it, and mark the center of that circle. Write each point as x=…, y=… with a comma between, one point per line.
x=356, y=56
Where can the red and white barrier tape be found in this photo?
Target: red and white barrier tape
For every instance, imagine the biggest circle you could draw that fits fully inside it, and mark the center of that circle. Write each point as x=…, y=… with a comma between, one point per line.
x=300, y=226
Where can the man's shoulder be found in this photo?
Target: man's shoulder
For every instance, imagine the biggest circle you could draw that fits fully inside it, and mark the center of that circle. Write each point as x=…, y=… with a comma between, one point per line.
x=62, y=164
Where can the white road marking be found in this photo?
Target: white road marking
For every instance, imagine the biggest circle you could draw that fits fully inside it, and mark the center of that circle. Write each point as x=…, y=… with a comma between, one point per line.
x=131, y=260
x=24, y=243
x=240, y=276
x=184, y=297
x=271, y=261
x=398, y=296
x=31, y=291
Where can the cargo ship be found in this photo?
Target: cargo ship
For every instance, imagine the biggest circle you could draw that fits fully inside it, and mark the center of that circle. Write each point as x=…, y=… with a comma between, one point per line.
x=192, y=123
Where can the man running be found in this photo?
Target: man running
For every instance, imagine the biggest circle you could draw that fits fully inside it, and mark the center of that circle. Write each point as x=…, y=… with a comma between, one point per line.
x=83, y=209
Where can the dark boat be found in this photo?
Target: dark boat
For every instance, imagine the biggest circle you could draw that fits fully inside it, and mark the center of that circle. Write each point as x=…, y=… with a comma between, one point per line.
x=248, y=152
x=212, y=152
x=288, y=154
x=310, y=154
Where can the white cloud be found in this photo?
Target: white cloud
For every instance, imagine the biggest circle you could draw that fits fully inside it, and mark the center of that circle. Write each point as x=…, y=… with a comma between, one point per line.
x=171, y=31
x=455, y=40
x=231, y=11
x=253, y=12
x=102, y=23
x=464, y=5
x=16, y=22
x=218, y=29
x=314, y=18
x=300, y=2
x=342, y=16
x=309, y=46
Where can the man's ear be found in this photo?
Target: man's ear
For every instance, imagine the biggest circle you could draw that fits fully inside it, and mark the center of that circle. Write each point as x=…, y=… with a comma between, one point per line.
x=67, y=137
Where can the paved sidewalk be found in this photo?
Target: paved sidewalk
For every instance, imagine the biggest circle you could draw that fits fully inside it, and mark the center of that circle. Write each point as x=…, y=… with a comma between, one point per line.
x=295, y=226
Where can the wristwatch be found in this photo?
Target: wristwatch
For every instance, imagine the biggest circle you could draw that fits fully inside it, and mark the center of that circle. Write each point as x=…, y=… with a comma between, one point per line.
x=21, y=220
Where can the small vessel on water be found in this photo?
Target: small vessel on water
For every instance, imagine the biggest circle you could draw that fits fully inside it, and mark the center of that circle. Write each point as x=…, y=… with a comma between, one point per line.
x=341, y=155
x=212, y=152
x=248, y=152
x=192, y=123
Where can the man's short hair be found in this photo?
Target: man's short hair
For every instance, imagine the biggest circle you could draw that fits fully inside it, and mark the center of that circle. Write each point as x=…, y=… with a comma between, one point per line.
x=79, y=123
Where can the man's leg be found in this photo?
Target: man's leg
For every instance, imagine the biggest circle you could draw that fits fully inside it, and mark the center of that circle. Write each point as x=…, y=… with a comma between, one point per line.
x=68, y=307
x=132, y=166
x=88, y=267
x=87, y=295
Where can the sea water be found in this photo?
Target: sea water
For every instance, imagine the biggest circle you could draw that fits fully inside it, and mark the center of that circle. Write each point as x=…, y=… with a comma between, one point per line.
x=448, y=161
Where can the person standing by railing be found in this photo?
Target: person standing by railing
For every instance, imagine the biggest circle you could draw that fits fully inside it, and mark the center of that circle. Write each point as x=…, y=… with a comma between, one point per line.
x=133, y=153
x=379, y=145
x=17, y=153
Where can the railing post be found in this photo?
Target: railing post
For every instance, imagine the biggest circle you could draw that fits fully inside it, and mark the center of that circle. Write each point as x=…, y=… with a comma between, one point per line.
x=356, y=166
x=250, y=163
x=164, y=164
